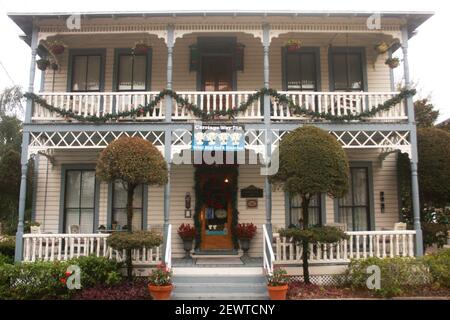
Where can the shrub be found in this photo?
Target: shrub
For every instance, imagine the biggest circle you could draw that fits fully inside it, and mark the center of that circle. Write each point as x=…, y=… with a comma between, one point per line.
x=126, y=290
x=37, y=280
x=97, y=270
x=134, y=240
x=434, y=233
x=186, y=231
x=439, y=266
x=397, y=274
x=5, y=259
x=245, y=231
x=161, y=276
x=7, y=245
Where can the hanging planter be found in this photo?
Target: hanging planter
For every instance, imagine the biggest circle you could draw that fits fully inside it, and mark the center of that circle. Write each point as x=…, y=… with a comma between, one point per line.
x=293, y=45
x=382, y=47
x=140, y=47
x=43, y=64
x=393, y=62
x=57, y=47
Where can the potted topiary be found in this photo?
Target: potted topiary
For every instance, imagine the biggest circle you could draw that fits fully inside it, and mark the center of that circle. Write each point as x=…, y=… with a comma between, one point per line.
x=293, y=45
x=160, y=282
x=56, y=47
x=393, y=62
x=141, y=47
x=43, y=64
x=277, y=284
x=245, y=232
x=187, y=234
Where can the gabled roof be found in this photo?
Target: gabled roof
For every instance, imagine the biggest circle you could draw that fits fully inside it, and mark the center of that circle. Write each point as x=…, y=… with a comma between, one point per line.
x=413, y=18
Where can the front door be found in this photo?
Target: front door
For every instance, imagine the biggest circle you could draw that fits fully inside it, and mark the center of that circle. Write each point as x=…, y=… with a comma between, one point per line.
x=216, y=213
x=217, y=73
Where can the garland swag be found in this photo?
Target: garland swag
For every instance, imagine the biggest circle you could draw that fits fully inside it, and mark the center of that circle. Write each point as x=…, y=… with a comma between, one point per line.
x=230, y=113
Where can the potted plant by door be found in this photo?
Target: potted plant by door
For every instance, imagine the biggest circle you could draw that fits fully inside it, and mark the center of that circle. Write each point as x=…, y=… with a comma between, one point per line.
x=393, y=62
x=293, y=45
x=277, y=284
x=245, y=232
x=187, y=234
x=160, y=282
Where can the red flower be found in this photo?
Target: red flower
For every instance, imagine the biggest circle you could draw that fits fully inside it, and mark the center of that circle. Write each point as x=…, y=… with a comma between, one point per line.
x=68, y=274
x=63, y=280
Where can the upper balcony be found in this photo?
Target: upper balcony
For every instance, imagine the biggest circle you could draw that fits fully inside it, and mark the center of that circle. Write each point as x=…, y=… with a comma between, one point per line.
x=218, y=64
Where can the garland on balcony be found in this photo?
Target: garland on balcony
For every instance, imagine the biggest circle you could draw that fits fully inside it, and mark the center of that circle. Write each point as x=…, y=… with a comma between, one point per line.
x=282, y=99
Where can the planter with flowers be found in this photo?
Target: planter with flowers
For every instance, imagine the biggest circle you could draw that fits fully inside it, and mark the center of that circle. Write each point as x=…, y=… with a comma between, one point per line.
x=293, y=45
x=393, y=62
x=381, y=47
x=245, y=232
x=57, y=47
x=43, y=64
x=160, y=282
x=141, y=47
x=277, y=284
x=187, y=234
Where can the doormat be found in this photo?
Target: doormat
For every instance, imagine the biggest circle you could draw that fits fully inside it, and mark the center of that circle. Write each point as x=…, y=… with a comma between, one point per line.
x=219, y=261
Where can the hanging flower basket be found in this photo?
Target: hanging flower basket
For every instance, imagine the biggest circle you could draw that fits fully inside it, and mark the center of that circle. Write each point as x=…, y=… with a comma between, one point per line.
x=57, y=47
x=293, y=45
x=43, y=64
x=393, y=62
x=381, y=47
x=140, y=47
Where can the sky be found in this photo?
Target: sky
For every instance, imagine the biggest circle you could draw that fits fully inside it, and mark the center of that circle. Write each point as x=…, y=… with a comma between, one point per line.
x=428, y=50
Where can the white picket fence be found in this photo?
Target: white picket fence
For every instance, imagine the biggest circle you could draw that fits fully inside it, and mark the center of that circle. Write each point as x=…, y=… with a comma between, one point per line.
x=62, y=247
x=360, y=245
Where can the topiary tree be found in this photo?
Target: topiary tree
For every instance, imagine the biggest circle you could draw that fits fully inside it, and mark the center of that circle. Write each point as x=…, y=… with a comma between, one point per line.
x=311, y=162
x=133, y=161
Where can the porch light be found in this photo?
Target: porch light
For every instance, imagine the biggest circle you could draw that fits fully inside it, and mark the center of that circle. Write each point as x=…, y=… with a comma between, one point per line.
x=226, y=180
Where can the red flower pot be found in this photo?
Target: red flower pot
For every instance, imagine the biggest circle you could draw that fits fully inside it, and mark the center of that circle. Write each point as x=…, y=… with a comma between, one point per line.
x=278, y=292
x=140, y=49
x=57, y=49
x=160, y=292
x=292, y=47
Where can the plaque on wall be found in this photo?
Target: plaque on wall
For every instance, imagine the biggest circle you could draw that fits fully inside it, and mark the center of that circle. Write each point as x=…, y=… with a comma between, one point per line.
x=251, y=192
x=252, y=203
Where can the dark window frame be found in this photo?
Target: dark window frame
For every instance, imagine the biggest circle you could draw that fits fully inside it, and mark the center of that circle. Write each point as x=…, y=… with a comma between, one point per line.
x=86, y=52
x=351, y=50
x=306, y=50
x=113, y=209
x=118, y=52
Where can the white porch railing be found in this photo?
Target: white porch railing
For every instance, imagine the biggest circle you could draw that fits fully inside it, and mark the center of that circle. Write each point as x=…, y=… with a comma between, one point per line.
x=99, y=103
x=51, y=247
x=268, y=256
x=360, y=245
x=168, y=249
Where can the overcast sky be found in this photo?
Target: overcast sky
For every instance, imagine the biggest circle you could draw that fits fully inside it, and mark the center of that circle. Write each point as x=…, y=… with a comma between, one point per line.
x=429, y=50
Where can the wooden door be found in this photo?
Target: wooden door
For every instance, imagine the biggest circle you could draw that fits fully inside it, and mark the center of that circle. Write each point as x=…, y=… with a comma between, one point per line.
x=217, y=75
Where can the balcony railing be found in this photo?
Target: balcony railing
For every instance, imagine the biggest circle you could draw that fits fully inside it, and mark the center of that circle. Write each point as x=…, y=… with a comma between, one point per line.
x=333, y=103
x=62, y=247
x=360, y=245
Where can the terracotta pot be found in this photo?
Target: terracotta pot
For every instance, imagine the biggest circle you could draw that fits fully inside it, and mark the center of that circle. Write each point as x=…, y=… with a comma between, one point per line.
x=292, y=47
x=160, y=292
x=57, y=49
x=278, y=292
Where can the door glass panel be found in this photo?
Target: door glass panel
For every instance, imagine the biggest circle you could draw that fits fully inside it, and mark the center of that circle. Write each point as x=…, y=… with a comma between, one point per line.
x=308, y=71
x=125, y=65
x=139, y=72
x=293, y=72
x=355, y=72
x=79, y=73
x=340, y=71
x=93, y=73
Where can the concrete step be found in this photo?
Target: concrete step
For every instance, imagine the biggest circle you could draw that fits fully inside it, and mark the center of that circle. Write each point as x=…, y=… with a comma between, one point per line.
x=218, y=271
x=220, y=288
x=219, y=296
x=244, y=279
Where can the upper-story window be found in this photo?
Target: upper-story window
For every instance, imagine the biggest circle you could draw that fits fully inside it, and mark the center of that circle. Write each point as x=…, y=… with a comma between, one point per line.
x=347, y=69
x=301, y=70
x=132, y=70
x=86, y=70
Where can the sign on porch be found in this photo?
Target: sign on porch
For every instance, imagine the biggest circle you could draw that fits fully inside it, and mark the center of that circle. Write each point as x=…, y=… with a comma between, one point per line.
x=218, y=138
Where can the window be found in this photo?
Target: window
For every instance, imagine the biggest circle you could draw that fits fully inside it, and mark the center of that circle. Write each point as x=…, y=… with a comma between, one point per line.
x=119, y=208
x=301, y=71
x=86, y=72
x=132, y=72
x=79, y=204
x=347, y=70
x=353, y=208
x=314, y=212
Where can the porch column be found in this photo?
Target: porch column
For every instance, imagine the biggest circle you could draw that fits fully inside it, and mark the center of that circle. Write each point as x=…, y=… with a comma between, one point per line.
x=268, y=133
x=414, y=155
x=168, y=133
x=24, y=156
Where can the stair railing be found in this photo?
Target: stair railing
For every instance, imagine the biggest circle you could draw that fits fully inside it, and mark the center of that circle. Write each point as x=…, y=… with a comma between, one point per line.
x=268, y=256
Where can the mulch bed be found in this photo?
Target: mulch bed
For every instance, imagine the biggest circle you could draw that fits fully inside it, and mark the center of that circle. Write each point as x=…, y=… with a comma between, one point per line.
x=301, y=291
x=126, y=290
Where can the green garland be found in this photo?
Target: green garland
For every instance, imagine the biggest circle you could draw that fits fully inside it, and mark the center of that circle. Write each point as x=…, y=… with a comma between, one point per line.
x=231, y=113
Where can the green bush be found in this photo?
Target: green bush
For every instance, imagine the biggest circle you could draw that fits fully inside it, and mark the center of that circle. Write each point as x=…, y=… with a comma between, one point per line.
x=97, y=270
x=7, y=245
x=397, y=274
x=439, y=266
x=37, y=280
x=134, y=240
x=6, y=259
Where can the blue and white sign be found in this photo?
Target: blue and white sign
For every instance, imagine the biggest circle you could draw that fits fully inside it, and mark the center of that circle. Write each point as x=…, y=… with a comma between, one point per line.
x=218, y=138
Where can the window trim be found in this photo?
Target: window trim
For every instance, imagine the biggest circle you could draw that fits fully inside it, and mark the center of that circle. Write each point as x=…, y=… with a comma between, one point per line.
x=287, y=209
x=358, y=50
x=62, y=198
x=371, y=219
x=86, y=52
x=109, y=210
x=313, y=50
x=127, y=51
